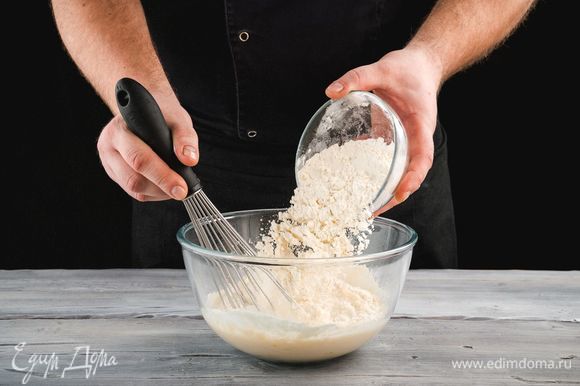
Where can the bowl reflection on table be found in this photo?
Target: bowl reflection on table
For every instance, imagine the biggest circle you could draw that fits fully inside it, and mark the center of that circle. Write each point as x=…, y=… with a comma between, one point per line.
x=277, y=336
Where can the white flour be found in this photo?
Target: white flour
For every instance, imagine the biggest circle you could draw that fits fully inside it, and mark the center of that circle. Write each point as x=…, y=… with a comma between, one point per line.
x=330, y=207
x=337, y=308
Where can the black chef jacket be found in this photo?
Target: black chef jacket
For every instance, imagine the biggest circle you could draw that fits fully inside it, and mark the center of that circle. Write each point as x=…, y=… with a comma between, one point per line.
x=251, y=73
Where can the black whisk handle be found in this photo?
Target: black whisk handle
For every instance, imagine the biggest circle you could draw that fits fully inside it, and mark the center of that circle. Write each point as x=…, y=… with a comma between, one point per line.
x=144, y=118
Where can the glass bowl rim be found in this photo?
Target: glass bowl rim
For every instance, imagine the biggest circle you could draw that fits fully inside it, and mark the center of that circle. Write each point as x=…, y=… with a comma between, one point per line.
x=391, y=254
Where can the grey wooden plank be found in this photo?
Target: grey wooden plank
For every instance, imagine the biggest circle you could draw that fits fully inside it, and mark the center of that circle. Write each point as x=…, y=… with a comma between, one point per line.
x=408, y=351
x=506, y=294
x=95, y=293
x=447, y=294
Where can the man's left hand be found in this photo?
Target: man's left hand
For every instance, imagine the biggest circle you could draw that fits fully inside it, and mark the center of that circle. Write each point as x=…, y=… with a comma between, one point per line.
x=408, y=80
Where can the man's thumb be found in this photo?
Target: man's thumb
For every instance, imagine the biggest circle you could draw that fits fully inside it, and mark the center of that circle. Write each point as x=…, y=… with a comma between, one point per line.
x=364, y=78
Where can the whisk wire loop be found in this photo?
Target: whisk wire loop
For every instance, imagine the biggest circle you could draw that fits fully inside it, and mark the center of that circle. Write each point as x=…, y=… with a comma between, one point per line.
x=237, y=284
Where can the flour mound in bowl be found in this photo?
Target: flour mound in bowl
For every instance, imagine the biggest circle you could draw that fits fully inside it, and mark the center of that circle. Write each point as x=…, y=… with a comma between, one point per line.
x=337, y=308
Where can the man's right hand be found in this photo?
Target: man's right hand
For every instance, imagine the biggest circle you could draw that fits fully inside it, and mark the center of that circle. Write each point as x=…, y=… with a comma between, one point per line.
x=132, y=164
x=106, y=49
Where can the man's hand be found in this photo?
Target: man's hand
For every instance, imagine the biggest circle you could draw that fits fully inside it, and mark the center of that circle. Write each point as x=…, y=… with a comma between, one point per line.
x=132, y=164
x=408, y=80
x=109, y=40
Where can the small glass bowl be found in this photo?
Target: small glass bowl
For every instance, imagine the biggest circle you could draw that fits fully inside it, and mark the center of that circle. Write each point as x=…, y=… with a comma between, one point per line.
x=358, y=115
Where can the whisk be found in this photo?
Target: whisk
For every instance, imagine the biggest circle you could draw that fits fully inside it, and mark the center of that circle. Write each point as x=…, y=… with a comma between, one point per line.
x=236, y=284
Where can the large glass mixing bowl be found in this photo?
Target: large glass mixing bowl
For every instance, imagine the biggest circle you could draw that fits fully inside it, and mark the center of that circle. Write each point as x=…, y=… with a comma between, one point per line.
x=381, y=270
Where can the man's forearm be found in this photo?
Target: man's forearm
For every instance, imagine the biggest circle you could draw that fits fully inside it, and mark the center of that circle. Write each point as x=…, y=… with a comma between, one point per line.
x=109, y=40
x=459, y=32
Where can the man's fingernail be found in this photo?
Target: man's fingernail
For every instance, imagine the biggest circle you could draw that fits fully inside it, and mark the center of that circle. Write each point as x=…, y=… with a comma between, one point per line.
x=189, y=152
x=178, y=192
x=335, y=87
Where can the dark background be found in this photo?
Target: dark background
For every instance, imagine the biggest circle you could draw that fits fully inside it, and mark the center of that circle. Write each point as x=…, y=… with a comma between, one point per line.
x=506, y=119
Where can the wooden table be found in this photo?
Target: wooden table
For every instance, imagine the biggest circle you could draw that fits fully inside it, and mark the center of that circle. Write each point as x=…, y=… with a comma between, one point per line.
x=147, y=320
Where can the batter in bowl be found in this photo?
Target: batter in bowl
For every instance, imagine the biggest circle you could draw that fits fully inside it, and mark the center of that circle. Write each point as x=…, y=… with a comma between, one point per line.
x=336, y=311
